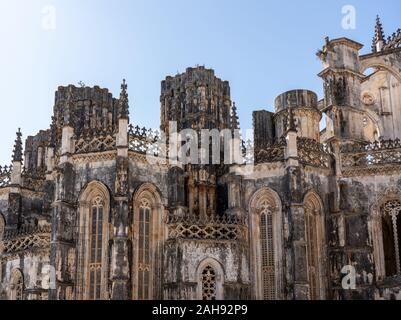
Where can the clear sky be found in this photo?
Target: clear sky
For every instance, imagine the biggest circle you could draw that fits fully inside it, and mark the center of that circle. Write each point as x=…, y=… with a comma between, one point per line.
x=262, y=47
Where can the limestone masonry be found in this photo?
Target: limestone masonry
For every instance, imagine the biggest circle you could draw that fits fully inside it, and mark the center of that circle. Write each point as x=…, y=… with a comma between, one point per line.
x=85, y=214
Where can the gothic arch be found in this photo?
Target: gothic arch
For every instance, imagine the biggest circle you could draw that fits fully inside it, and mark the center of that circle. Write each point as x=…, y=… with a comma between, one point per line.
x=17, y=285
x=266, y=242
x=378, y=62
x=93, y=248
x=210, y=279
x=375, y=225
x=148, y=235
x=315, y=242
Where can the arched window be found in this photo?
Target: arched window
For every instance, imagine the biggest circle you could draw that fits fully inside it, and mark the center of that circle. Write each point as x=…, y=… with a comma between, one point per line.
x=314, y=234
x=268, y=252
x=96, y=249
x=17, y=285
x=391, y=227
x=266, y=232
x=209, y=285
x=210, y=279
x=148, y=236
x=92, y=281
x=144, y=267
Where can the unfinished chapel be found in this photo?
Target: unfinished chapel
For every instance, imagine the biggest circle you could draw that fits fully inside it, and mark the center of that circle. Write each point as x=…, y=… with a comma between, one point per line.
x=90, y=211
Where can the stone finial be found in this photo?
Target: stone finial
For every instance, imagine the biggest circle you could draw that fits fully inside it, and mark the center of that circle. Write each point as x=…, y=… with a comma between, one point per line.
x=379, y=38
x=123, y=103
x=17, y=152
x=234, y=118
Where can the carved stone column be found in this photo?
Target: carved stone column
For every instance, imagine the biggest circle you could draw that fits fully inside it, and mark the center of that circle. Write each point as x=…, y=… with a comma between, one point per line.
x=14, y=198
x=120, y=276
x=64, y=218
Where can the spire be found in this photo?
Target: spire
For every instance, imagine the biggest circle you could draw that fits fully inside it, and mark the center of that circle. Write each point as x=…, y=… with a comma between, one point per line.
x=234, y=118
x=379, y=39
x=17, y=152
x=123, y=105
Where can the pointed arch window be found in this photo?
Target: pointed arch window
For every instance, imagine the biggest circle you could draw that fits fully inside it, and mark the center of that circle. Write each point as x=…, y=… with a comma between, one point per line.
x=209, y=284
x=313, y=232
x=96, y=249
x=391, y=227
x=266, y=232
x=147, y=240
x=268, y=252
x=144, y=245
x=93, y=248
x=210, y=280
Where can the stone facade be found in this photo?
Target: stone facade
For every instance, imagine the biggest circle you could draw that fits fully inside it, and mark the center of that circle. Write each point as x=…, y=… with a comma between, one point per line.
x=91, y=210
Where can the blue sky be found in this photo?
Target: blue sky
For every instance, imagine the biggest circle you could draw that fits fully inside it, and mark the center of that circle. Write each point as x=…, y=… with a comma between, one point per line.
x=262, y=47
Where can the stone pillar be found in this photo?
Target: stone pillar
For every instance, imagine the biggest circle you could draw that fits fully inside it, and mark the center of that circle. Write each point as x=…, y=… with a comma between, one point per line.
x=234, y=195
x=16, y=173
x=64, y=217
x=66, y=143
x=301, y=285
x=14, y=198
x=49, y=162
x=120, y=276
x=291, y=150
x=296, y=215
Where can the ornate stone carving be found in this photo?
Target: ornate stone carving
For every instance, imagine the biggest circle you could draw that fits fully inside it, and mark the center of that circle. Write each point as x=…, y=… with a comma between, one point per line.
x=89, y=143
x=5, y=176
x=271, y=153
x=378, y=157
x=26, y=239
x=368, y=99
x=144, y=141
x=206, y=228
x=313, y=153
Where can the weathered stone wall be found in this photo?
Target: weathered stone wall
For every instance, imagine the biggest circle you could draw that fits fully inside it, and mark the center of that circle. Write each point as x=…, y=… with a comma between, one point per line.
x=353, y=234
x=35, y=268
x=292, y=186
x=184, y=257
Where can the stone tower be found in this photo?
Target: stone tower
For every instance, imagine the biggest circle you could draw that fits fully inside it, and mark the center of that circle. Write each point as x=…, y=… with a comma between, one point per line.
x=196, y=100
x=342, y=86
x=206, y=232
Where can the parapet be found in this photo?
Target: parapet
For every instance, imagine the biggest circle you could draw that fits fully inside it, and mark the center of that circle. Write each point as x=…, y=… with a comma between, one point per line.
x=96, y=94
x=296, y=99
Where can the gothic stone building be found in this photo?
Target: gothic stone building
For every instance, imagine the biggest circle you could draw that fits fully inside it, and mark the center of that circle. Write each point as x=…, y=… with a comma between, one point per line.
x=85, y=214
